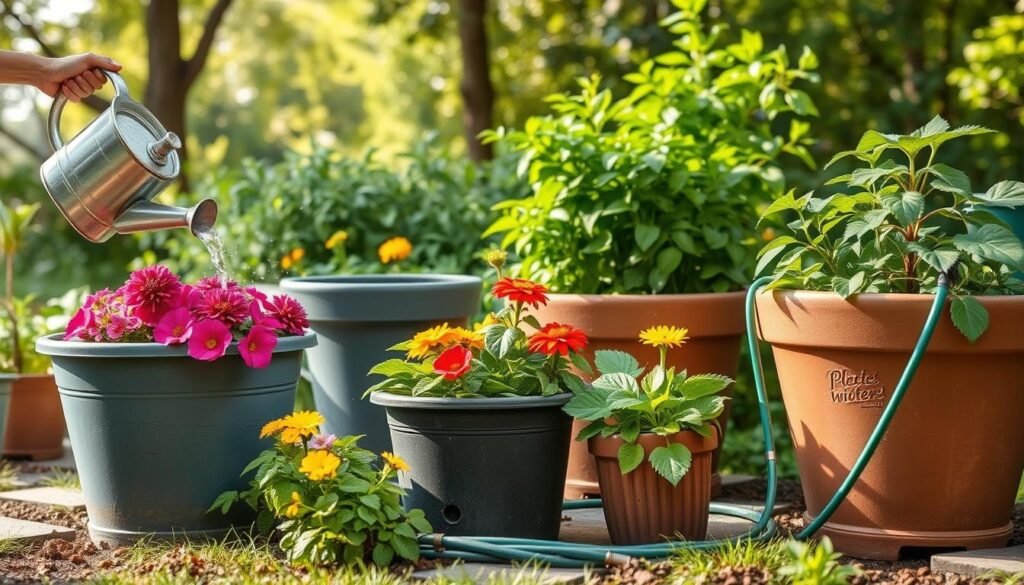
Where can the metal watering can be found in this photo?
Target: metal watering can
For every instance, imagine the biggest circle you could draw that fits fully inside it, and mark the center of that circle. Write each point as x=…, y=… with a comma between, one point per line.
x=104, y=178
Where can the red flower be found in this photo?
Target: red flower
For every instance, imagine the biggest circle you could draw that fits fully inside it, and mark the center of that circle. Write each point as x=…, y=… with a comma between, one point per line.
x=152, y=291
x=520, y=290
x=289, y=313
x=453, y=363
x=557, y=338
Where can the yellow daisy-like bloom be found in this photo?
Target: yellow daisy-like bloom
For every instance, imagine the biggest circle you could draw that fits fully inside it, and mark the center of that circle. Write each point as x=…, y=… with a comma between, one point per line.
x=472, y=339
x=297, y=254
x=490, y=319
x=432, y=340
x=304, y=423
x=293, y=509
x=664, y=336
x=272, y=428
x=338, y=237
x=394, y=250
x=395, y=461
x=287, y=262
x=319, y=465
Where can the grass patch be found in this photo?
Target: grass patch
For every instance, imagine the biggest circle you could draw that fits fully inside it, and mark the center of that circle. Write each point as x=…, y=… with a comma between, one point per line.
x=1020, y=491
x=8, y=476
x=1004, y=578
x=692, y=564
x=62, y=478
x=9, y=546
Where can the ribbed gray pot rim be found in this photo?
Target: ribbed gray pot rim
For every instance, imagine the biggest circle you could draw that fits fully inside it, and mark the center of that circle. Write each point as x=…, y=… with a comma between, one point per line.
x=371, y=282
x=56, y=346
x=9, y=376
x=388, y=399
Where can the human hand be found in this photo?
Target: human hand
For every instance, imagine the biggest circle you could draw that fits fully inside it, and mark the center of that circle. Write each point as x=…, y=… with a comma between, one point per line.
x=74, y=76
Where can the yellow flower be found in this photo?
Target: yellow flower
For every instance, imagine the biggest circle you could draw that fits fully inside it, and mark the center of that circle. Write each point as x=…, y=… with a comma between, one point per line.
x=432, y=340
x=304, y=423
x=273, y=427
x=293, y=508
x=297, y=254
x=496, y=258
x=664, y=336
x=463, y=336
x=490, y=319
x=395, y=461
x=394, y=250
x=338, y=237
x=286, y=262
x=319, y=465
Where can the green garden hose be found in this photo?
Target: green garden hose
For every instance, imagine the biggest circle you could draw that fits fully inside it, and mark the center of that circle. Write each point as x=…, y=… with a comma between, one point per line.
x=560, y=554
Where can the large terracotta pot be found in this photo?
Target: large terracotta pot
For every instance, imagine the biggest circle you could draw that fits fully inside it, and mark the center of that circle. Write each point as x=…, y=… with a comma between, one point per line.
x=35, y=421
x=716, y=325
x=641, y=507
x=947, y=471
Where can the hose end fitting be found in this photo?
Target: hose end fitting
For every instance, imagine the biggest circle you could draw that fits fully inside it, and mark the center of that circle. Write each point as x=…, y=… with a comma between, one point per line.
x=439, y=542
x=613, y=559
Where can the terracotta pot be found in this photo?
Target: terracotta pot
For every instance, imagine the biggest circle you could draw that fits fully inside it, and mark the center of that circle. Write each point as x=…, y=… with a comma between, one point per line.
x=716, y=325
x=35, y=421
x=947, y=470
x=642, y=507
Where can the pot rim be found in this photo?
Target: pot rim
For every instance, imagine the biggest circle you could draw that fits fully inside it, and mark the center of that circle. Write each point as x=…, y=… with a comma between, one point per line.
x=827, y=295
x=389, y=400
x=375, y=282
x=54, y=345
x=645, y=298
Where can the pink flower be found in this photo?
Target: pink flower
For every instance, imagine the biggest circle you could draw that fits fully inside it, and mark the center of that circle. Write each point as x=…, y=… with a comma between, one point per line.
x=322, y=441
x=289, y=313
x=211, y=282
x=117, y=327
x=257, y=347
x=151, y=292
x=78, y=324
x=189, y=296
x=261, y=318
x=209, y=340
x=227, y=305
x=255, y=293
x=174, y=327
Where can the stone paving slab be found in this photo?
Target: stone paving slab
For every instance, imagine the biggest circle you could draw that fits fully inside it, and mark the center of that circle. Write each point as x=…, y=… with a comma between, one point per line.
x=27, y=480
x=734, y=479
x=975, y=563
x=25, y=530
x=48, y=496
x=587, y=526
x=495, y=573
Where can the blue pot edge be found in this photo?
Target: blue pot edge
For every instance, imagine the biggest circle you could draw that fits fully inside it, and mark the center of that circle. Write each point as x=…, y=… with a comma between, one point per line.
x=54, y=345
x=389, y=400
x=374, y=282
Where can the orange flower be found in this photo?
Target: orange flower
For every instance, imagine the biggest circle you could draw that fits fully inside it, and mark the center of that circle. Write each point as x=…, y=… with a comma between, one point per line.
x=520, y=290
x=557, y=338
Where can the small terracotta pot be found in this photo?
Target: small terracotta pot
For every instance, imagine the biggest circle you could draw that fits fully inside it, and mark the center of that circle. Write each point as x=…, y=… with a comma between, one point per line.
x=716, y=325
x=642, y=507
x=35, y=421
x=946, y=473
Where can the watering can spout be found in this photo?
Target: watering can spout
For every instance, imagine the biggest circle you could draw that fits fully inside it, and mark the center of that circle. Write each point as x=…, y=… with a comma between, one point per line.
x=144, y=216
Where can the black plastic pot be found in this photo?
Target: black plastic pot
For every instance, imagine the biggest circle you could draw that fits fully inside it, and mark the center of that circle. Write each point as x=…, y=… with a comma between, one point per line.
x=483, y=466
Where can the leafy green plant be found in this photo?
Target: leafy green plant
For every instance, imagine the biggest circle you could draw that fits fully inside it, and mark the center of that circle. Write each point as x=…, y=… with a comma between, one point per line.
x=625, y=401
x=286, y=218
x=1004, y=577
x=656, y=192
x=496, y=359
x=696, y=565
x=815, y=564
x=330, y=500
x=901, y=224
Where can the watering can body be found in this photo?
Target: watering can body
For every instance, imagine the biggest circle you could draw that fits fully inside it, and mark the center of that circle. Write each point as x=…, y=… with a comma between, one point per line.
x=104, y=179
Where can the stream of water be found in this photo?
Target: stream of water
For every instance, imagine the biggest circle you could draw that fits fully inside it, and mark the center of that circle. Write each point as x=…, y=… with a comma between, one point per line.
x=215, y=248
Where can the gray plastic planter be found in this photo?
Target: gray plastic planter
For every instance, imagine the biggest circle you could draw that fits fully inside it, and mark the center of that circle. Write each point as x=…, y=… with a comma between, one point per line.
x=158, y=435
x=483, y=466
x=356, y=319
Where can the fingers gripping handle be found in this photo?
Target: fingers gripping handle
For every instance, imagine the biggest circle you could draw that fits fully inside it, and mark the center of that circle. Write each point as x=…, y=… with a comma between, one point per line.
x=53, y=120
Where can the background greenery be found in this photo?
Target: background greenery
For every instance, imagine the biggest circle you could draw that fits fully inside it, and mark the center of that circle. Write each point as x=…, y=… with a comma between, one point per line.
x=290, y=97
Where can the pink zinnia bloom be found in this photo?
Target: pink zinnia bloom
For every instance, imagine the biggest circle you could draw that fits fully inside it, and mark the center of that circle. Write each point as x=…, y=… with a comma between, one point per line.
x=257, y=347
x=322, y=441
x=289, y=313
x=209, y=340
x=151, y=292
x=255, y=293
x=78, y=324
x=211, y=282
x=261, y=318
x=175, y=327
x=117, y=327
x=227, y=305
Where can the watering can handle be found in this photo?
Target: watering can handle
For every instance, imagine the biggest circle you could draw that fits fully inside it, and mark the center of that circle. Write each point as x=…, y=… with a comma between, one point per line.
x=53, y=120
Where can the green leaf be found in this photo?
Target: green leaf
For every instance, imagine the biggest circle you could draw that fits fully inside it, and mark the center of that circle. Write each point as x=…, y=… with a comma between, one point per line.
x=668, y=260
x=224, y=502
x=992, y=242
x=934, y=126
x=1003, y=194
x=671, y=462
x=616, y=381
x=592, y=405
x=969, y=316
x=383, y=554
x=406, y=547
x=580, y=362
x=395, y=367
x=703, y=385
x=941, y=259
x=867, y=223
x=786, y=202
x=631, y=456
x=845, y=287
x=906, y=207
x=654, y=161
x=613, y=361
x=646, y=235
x=946, y=178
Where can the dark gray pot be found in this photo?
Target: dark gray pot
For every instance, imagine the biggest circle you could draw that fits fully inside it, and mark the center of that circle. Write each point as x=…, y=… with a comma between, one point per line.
x=356, y=319
x=483, y=466
x=158, y=435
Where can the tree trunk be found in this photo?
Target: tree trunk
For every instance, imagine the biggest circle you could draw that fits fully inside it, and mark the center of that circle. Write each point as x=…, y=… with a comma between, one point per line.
x=477, y=88
x=167, y=87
